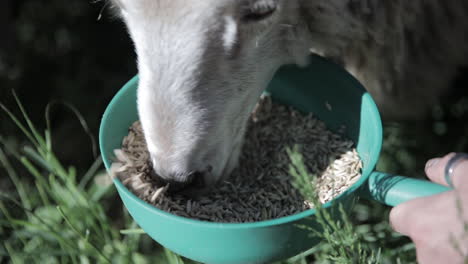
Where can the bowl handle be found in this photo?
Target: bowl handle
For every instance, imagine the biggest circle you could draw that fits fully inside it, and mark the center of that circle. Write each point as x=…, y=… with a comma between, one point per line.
x=393, y=189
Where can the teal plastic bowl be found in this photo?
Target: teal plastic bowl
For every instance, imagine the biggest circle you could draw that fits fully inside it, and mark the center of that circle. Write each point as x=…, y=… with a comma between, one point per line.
x=322, y=88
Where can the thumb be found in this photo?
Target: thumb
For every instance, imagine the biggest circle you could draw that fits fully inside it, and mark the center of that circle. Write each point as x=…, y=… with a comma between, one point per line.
x=435, y=170
x=402, y=216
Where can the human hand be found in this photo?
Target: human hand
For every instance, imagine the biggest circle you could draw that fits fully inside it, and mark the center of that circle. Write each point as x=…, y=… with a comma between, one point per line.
x=438, y=224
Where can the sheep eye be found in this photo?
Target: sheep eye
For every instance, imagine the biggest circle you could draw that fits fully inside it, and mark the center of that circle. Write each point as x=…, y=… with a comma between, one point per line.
x=260, y=11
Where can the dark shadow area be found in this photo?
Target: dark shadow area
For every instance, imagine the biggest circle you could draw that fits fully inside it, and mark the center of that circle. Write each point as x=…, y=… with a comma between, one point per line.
x=59, y=50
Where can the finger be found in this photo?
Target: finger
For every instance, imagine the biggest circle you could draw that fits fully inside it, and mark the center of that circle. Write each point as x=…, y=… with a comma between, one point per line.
x=402, y=215
x=437, y=227
x=436, y=253
x=398, y=218
x=418, y=216
x=435, y=171
x=435, y=168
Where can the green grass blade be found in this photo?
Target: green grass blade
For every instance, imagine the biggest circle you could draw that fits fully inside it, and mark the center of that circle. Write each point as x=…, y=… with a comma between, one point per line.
x=80, y=118
x=43, y=194
x=44, y=225
x=172, y=258
x=37, y=158
x=48, y=140
x=40, y=182
x=90, y=173
x=30, y=225
x=132, y=240
x=50, y=253
x=99, y=252
x=8, y=217
x=300, y=259
x=19, y=125
x=100, y=192
x=13, y=255
x=43, y=228
x=48, y=130
x=47, y=161
x=72, y=174
x=20, y=188
x=137, y=231
x=32, y=128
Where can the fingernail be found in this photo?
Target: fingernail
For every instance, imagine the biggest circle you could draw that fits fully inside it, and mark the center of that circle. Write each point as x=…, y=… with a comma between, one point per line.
x=432, y=162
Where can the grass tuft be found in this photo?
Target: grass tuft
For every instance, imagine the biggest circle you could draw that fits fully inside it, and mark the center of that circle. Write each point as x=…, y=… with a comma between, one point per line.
x=57, y=216
x=341, y=242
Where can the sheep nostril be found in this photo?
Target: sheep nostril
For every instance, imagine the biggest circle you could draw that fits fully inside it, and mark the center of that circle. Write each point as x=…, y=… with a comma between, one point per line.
x=158, y=180
x=197, y=180
x=176, y=184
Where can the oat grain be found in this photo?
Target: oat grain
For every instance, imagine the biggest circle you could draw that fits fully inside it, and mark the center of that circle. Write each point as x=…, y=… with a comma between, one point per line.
x=261, y=188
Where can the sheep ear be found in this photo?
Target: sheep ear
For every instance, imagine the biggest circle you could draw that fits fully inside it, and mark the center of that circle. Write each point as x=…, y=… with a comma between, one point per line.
x=114, y=6
x=115, y=3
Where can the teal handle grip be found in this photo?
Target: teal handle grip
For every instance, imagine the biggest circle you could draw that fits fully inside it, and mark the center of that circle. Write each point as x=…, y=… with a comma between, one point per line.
x=392, y=189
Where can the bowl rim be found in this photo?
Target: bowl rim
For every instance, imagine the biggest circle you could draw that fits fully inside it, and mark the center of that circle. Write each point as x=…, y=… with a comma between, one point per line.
x=351, y=191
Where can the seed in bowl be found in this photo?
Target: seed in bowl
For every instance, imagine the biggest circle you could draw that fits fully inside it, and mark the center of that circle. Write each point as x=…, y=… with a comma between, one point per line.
x=261, y=188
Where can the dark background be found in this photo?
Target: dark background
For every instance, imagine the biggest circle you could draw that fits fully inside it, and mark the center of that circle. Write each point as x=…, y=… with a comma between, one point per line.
x=59, y=50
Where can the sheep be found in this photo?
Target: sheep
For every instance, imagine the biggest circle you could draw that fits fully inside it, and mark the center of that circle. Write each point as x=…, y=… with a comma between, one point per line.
x=203, y=65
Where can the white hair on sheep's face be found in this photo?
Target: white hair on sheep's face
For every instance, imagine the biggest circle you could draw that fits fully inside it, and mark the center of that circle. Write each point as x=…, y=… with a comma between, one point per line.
x=201, y=74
